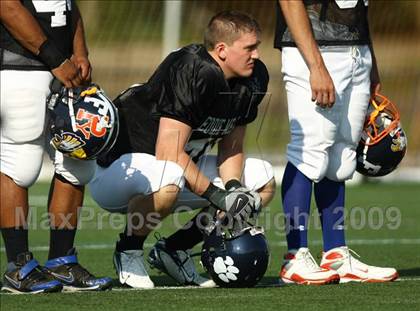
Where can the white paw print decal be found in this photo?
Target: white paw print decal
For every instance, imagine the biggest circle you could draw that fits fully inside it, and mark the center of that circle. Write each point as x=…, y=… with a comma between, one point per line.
x=225, y=269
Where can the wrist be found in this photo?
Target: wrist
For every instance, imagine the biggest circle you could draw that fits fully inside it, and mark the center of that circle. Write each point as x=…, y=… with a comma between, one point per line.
x=51, y=55
x=215, y=195
x=80, y=55
x=210, y=192
x=316, y=63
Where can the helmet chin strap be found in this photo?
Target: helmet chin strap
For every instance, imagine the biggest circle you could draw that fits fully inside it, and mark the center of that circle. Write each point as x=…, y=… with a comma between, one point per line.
x=71, y=110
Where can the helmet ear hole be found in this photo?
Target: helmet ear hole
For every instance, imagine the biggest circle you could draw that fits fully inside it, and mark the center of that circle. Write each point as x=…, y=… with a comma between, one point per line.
x=383, y=143
x=82, y=122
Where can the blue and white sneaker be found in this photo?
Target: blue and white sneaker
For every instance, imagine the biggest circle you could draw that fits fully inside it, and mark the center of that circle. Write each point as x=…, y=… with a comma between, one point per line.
x=27, y=276
x=179, y=265
x=73, y=276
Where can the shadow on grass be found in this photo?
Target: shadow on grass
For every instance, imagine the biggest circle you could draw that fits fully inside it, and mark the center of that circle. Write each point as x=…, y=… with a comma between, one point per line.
x=409, y=272
x=163, y=281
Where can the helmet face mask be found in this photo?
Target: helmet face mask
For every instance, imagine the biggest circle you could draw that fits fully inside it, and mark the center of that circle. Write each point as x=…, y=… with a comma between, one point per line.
x=83, y=122
x=383, y=117
x=383, y=143
x=238, y=261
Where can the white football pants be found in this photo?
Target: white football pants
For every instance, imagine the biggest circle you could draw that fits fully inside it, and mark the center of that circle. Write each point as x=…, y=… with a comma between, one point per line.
x=323, y=141
x=23, y=107
x=140, y=173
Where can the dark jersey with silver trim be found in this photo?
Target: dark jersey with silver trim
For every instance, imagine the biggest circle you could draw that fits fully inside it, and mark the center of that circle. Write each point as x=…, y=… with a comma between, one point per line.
x=334, y=23
x=189, y=86
x=56, y=21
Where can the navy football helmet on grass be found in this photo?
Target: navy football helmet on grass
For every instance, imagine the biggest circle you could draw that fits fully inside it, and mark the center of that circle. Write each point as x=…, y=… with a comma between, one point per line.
x=237, y=261
x=383, y=143
x=83, y=121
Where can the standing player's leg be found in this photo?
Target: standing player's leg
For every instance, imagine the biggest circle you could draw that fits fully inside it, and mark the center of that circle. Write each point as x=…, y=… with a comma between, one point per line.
x=13, y=220
x=296, y=192
x=64, y=203
x=23, y=97
x=331, y=192
x=312, y=132
x=329, y=197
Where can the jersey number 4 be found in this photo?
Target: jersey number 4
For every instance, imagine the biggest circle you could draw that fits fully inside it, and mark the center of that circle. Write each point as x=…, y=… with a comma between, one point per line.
x=58, y=7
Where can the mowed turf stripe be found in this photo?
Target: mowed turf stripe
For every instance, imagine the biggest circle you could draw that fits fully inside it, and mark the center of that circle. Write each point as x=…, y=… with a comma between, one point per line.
x=315, y=242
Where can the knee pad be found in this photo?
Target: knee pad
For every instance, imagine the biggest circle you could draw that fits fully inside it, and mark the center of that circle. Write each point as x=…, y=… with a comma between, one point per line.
x=257, y=173
x=21, y=162
x=342, y=164
x=76, y=172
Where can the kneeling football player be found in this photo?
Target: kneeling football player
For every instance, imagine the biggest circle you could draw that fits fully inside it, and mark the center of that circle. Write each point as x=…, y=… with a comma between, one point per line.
x=200, y=96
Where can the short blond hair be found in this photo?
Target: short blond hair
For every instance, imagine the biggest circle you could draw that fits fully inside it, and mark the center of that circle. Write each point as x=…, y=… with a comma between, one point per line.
x=227, y=26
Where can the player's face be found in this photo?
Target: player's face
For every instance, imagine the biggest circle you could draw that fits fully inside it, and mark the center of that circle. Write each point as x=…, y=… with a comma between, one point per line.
x=241, y=55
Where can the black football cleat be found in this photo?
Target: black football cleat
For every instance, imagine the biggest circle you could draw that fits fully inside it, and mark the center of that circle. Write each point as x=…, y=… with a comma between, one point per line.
x=26, y=276
x=73, y=276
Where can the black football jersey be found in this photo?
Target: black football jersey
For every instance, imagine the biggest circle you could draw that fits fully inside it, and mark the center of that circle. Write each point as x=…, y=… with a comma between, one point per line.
x=55, y=19
x=189, y=86
x=334, y=23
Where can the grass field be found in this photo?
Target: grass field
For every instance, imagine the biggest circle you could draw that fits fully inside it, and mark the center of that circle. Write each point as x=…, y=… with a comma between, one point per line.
x=383, y=226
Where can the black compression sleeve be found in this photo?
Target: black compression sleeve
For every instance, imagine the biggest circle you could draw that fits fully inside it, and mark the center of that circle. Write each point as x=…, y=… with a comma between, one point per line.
x=215, y=195
x=50, y=55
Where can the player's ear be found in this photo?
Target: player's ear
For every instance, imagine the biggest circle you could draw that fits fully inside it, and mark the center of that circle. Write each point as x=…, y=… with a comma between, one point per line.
x=220, y=49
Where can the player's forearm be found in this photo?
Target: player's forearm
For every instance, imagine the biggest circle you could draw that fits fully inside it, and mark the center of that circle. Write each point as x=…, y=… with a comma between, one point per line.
x=374, y=62
x=79, y=41
x=230, y=158
x=231, y=167
x=22, y=25
x=196, y=180
x=299, y=26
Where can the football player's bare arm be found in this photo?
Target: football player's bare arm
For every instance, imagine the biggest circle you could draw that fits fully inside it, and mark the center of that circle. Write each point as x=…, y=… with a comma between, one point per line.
x=25, y=29
x=231, y=160
x=375, y=80
x=230, y=156
x=80, y=49
x=297, y=20
x=172, y=138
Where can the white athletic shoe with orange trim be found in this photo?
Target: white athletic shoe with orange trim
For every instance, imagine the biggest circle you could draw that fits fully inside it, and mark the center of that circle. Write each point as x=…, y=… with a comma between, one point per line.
x=352, y=270
x=300, y=267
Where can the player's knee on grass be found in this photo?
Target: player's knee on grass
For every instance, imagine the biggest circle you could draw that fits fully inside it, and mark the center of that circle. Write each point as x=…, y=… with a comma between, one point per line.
x=342, y=164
